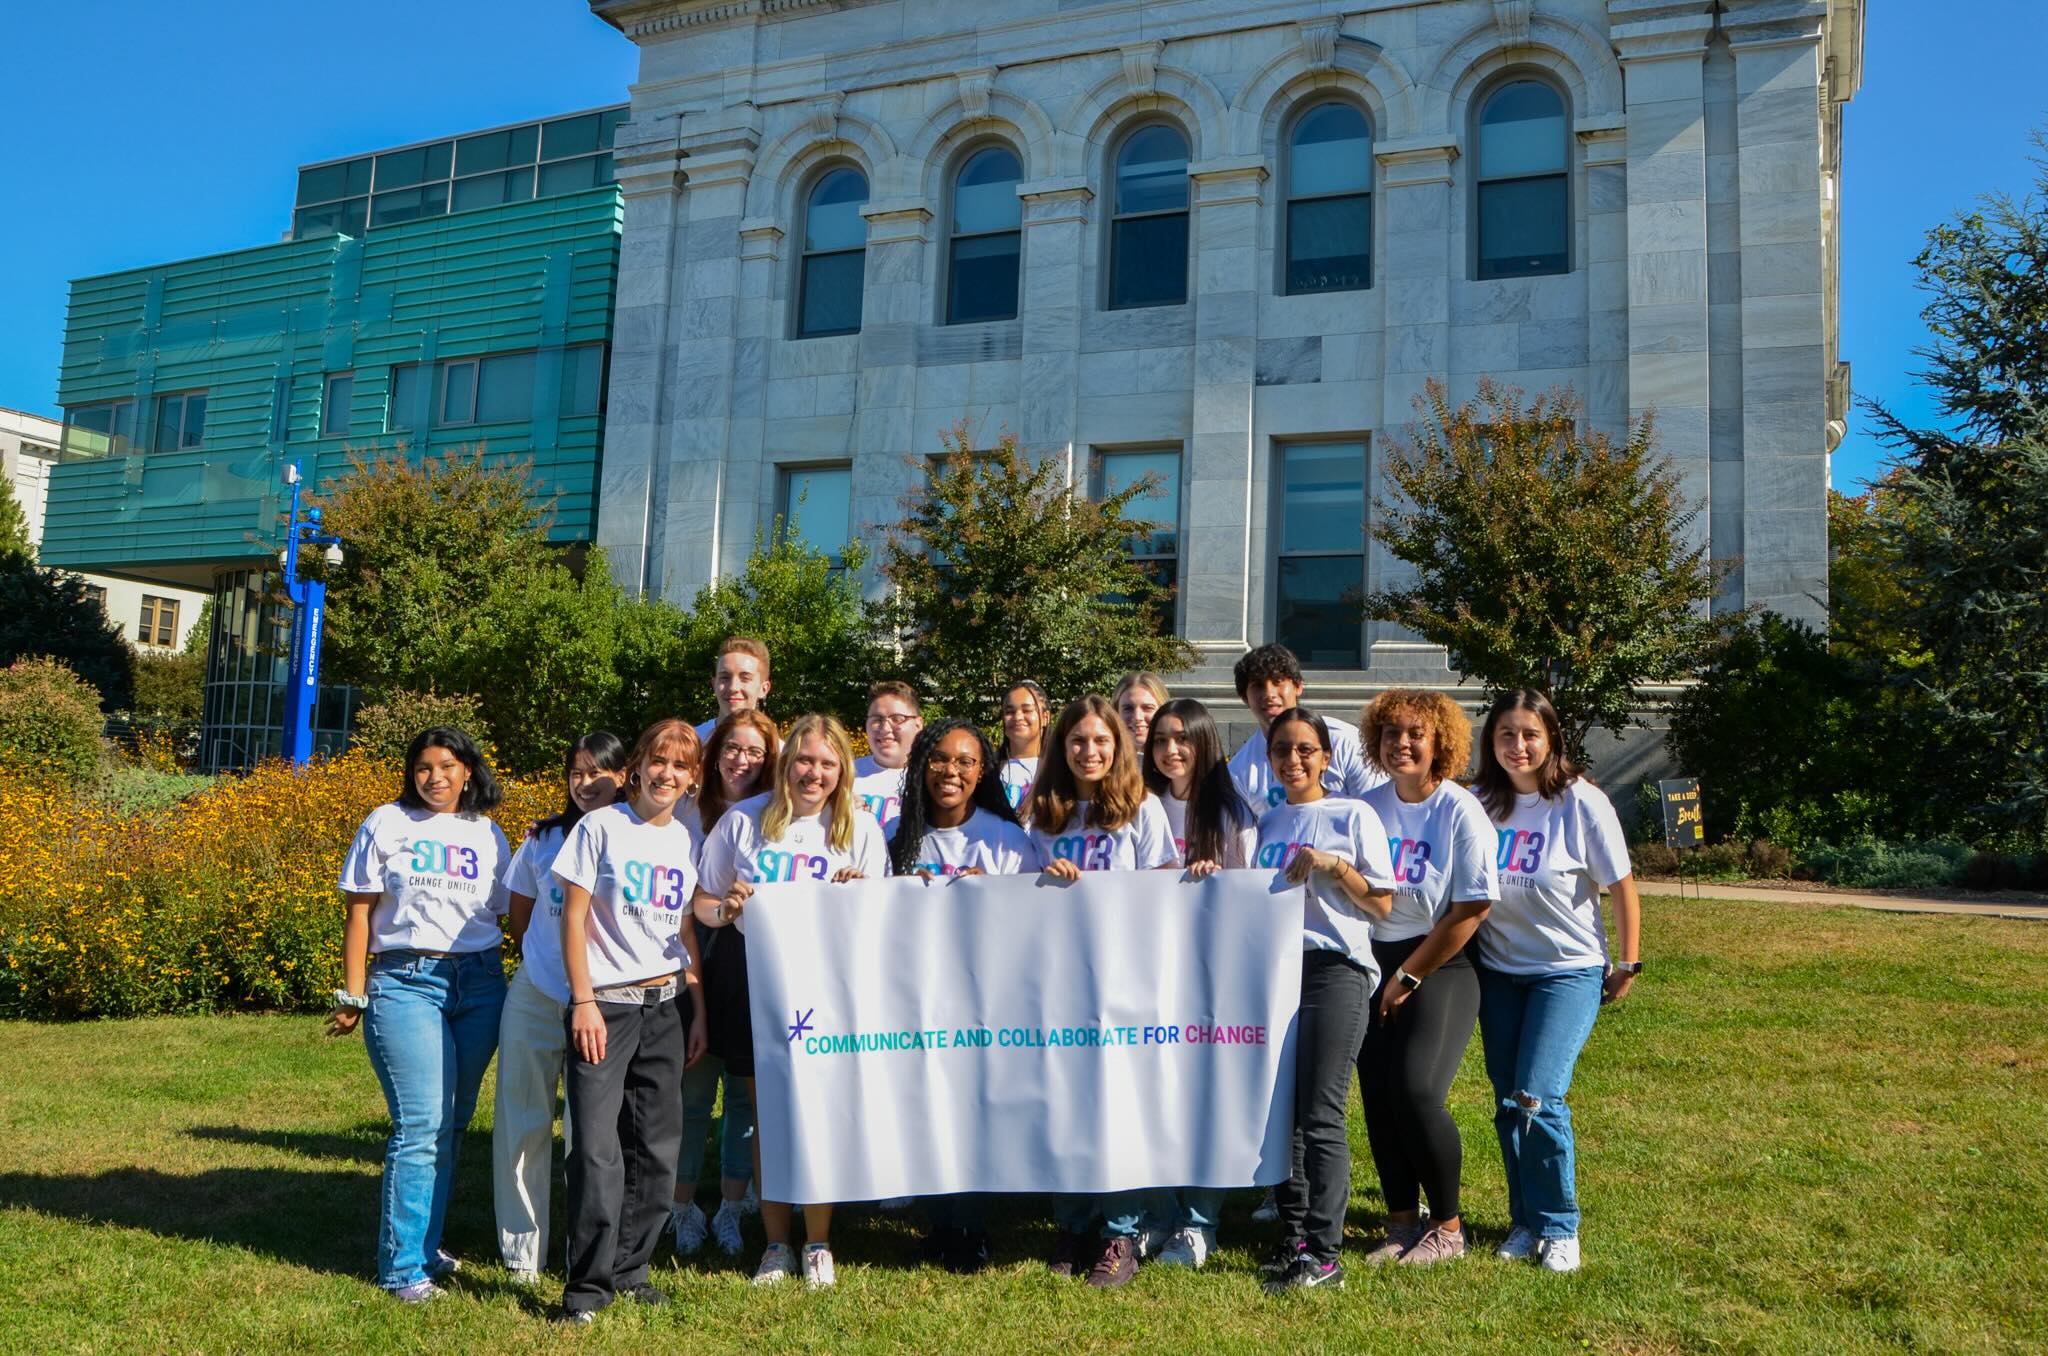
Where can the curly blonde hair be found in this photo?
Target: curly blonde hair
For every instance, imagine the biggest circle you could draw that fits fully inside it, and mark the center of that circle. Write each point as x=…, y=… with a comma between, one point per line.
x=1449, y=727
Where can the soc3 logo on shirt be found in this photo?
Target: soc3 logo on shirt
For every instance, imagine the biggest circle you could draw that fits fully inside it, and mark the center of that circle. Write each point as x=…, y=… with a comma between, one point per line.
x=1278, y=855
x=1520, y=850
x=771, y=866
x=1411, y=858
x=1089, y=851
x=653, y=883
x=446, y=859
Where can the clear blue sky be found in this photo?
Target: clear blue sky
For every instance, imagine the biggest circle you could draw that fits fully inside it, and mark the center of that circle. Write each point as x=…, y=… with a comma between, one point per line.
x=164, y=131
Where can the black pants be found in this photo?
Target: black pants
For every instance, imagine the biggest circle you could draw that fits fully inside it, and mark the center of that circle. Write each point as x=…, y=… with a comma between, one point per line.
x=628, y=1111
x=1405, y=1068
x=1312, y=1202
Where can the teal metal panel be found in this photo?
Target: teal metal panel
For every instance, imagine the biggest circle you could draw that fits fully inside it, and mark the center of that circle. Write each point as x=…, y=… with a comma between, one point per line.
x=260, y=331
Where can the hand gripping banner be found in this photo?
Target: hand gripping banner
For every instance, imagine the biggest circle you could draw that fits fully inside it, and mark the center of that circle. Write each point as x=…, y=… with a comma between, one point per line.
x=1017, y=1034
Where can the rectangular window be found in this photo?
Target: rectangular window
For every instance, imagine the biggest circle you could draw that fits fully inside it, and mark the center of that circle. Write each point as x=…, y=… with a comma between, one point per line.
x=180, y=421
x=106, y=429
x=983, y=277
x=97, y=596
x=573, y=176
x=512, y=147
x=347, y=217
x=1149, y=261
x=488, y=190
x=159, y=624
x=817, y=508
x=570, y=136
x=1157, y=549
x=830, y=297
x=399, y=410
x=1329, y=244
x=504, y=388
x=341, y=391
x=409, y=204
x=421, y=164
x=458, y=394
x=1523, y=224
x=583, y=379
x=1319, y=582
x=325, y=183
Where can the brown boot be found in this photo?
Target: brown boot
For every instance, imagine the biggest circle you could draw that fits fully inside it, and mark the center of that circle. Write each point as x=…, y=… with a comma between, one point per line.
x=1117, y=1264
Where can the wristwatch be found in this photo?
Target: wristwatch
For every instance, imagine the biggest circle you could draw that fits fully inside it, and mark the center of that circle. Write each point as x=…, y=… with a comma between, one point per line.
x=1408, y=981
x=344, y=999
x=1634, y=967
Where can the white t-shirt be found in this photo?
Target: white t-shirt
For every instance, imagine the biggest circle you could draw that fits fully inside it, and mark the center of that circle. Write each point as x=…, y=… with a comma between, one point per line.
x=879, y=790
x=1442, y=848
x=994, y=845
x=641, y=879
x=1349, y=828
x=1349, y=774
x=1144, y=843
x=439, y=879
x=532, y=874
x=1238, y=847
x=1018, y=774
x=1554, y=857
x=736, y=851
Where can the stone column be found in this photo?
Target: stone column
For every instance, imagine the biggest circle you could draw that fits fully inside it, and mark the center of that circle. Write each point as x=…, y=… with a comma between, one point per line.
x=1778, y=74
x=891, y=308
x=648, y=159
x=1663, y=52
x=1604, y=154
x=1056, y=216
x=759, y=322
x=1217, y=574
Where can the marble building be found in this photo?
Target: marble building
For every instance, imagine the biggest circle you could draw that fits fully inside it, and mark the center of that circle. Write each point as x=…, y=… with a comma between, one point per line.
x=1228, y=243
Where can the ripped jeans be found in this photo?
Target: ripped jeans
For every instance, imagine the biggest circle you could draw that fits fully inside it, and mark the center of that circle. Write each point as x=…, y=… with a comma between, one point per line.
x=1532, y=1028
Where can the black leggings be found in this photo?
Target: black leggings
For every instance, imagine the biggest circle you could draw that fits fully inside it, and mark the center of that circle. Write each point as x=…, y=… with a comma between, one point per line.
x=1405, y=1068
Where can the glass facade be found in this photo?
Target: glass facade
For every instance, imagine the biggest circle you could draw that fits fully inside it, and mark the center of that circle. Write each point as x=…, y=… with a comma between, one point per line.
x=1148, y=235
x=1524, y=198
x=1319, y=575
x=834, y=264
x=511, y=164
x=247, y=662
x=1329, y=201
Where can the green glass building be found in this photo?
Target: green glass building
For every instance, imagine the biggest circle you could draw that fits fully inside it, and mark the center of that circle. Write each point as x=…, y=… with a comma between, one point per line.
x=443, y=295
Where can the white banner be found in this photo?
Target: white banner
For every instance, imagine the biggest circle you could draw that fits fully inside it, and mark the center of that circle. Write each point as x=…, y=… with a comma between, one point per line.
x=1015, y=1034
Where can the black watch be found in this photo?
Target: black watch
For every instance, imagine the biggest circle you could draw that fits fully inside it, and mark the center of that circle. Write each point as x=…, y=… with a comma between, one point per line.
x=1408, y=981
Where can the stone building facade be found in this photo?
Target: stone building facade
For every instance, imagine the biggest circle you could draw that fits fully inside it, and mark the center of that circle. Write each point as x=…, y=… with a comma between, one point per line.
x=1636, y=198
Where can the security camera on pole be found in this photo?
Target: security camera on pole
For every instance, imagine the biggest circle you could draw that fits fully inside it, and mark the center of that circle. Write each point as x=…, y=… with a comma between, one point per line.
x=309, y=606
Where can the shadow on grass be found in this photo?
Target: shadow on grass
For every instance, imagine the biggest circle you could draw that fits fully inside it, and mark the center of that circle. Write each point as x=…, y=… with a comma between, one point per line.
x=364, y=1144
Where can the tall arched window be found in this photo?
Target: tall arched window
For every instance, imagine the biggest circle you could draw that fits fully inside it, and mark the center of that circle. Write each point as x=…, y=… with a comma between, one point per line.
x=1523, y=211
x=834, y=256
x=1329, y=200
x=1148, y=228
x=988, y=230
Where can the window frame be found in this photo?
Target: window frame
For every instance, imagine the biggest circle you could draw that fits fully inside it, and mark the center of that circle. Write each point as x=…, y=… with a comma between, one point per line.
x=1479, y=180
x=805, y=255
x=1318, y=100
x=329, y=405
x=441, y=371
x=184, y=399
x=1277, y=538
x=785, y=482
x=954, y=235
x=391, y=404
x=127, y=444
x=1098, y=488
x=1116, y=219
x=152, y=621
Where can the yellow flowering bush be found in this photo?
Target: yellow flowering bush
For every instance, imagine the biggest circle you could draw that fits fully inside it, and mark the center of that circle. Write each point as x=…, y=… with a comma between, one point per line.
x=223, y=901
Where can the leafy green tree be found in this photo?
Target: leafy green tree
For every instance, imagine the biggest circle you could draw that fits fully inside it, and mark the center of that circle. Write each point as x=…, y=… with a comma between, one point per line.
x=822, y=641
x=1545, y=556
x=1971, y=533
x=169, y=686
x=999, y=569
x=1867, y=601
x=14, y=542
x=48, y=613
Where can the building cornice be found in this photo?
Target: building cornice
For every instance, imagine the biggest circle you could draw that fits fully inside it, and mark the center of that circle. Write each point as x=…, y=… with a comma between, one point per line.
x=650, y=18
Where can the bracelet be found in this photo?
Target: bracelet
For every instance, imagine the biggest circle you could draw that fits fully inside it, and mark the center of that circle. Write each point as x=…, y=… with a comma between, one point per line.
x=359, y=1002
x=579, y=1002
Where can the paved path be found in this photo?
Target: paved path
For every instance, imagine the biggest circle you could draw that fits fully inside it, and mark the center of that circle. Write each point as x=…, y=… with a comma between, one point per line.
x=1989, y=908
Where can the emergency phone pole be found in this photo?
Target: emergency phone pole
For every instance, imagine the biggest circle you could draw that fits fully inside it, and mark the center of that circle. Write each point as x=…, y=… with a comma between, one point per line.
x=309, y=606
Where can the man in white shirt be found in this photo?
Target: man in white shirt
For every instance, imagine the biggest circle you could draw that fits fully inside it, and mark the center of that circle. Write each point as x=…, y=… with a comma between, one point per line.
x=739, y=680
x=893, y=722
x=1268, y=682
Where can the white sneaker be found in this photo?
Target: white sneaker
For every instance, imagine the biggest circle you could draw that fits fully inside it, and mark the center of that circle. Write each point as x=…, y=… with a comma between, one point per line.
x=1268, y=1211
x=1559, y=1254
x=524, y=1278
x=818, y=1269
x=725, y=1228
x=1519, y=1246
x=777, y=1263
x=686, y=1222
x=1153, y=1239
x=1187, y=1248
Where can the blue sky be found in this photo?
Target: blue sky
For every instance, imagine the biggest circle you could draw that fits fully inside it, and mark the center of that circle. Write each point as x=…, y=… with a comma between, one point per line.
x=143, y=132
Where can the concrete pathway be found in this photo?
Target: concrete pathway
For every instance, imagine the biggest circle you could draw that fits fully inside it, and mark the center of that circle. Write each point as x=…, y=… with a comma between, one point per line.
x=2036, y=908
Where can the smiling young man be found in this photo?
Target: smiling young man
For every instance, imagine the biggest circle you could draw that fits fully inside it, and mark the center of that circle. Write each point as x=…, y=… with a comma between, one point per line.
x=739, y=680
x=1269, y=681
x=894, y=719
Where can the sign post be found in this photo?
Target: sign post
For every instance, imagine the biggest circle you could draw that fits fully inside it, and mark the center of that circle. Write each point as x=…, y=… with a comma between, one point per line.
x=1683, y=826
x=309, y=606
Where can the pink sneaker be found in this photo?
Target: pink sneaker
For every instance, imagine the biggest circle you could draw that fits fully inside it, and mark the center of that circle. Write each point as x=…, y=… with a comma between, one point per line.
x=1400, y=1238
x=1438, y=1245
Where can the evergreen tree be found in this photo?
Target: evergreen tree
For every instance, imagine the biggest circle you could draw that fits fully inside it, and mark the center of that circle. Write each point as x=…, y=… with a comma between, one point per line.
x=14, y=542
x=48, y=613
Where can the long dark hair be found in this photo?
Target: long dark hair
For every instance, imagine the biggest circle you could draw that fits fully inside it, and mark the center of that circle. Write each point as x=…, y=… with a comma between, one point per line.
x=911, y=825
x=1056, y=792
x=1215, y=810
x=1495, y=789
x=608, y=751
x=1044, y=713
x=711, y=801
x=480, y=793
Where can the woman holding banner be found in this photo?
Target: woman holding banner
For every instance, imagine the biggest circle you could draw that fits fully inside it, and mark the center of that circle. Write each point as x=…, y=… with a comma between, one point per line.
x=810, y=816
x=1338, y=849
x=957, y=821
x=1543, y=967
x=1090, y=812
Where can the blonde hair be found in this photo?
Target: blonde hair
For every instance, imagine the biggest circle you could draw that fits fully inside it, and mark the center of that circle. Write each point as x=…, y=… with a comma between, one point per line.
x=1449, y=727
x=776, y=817
x=1146, y=679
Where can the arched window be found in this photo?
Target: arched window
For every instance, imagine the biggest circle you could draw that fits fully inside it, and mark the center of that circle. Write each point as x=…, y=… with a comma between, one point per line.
x=1329, y=200
x=988, y=229
x=834, y=255
x=1148, y=227
x=1524, y=201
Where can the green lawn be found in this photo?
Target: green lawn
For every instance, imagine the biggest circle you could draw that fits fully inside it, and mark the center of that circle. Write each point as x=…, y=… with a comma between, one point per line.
x=1808, y=1130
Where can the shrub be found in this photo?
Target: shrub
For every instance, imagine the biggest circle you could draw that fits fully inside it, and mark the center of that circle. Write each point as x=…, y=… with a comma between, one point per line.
x=138, y=790
x=1873, y=864
x=385, y=729
x=47, y=612
x=169, y=686
x=49, y=721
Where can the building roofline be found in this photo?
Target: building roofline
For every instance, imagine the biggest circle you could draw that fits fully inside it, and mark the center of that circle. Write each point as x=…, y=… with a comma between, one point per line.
x=57, y=418
x=458, y=136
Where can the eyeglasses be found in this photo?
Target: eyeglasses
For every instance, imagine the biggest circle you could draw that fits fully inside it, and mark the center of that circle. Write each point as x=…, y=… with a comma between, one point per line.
x=1283, y=753
x=898, y=722
x=735, y=753
x=968, y=764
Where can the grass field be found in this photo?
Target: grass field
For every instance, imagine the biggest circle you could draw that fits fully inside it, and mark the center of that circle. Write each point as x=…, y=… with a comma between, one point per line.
x=1808, y=1130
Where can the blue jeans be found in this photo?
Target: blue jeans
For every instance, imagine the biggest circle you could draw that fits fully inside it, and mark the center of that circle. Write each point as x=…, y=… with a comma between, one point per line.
x=1198, y=1207
x=431, y=1031
x=1532, y=1028
x=1121, y=1212
x=736, y=1130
